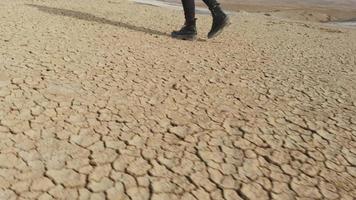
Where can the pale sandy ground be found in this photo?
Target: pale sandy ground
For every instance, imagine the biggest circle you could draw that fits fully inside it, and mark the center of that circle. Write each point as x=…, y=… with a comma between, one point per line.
x=313, y=12
x=306, y=10
x=98, y=102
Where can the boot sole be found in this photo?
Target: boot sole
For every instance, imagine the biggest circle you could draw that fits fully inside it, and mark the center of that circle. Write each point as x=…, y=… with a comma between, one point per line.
x=226, y=23
x=189, y=38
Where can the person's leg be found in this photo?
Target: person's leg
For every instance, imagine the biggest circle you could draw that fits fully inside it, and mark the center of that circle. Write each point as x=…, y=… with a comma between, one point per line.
x=189, y=10
x=220, y=19
x=188, y=31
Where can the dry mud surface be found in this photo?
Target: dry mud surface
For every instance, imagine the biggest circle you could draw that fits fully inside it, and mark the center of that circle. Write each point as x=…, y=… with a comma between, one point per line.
x=98, y=102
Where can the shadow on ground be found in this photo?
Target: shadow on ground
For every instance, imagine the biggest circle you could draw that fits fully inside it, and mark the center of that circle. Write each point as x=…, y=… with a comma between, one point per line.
x=93, y=18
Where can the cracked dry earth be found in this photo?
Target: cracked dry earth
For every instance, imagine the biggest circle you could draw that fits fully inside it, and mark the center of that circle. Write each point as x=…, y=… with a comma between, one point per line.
x=98, y=102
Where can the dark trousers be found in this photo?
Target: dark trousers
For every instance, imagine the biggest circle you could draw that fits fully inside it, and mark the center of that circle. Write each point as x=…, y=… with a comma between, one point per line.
x=189, y=8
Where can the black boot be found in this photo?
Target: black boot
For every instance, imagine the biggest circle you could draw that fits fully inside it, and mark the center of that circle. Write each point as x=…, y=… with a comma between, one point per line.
x=187, y=32
x=220, y=19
